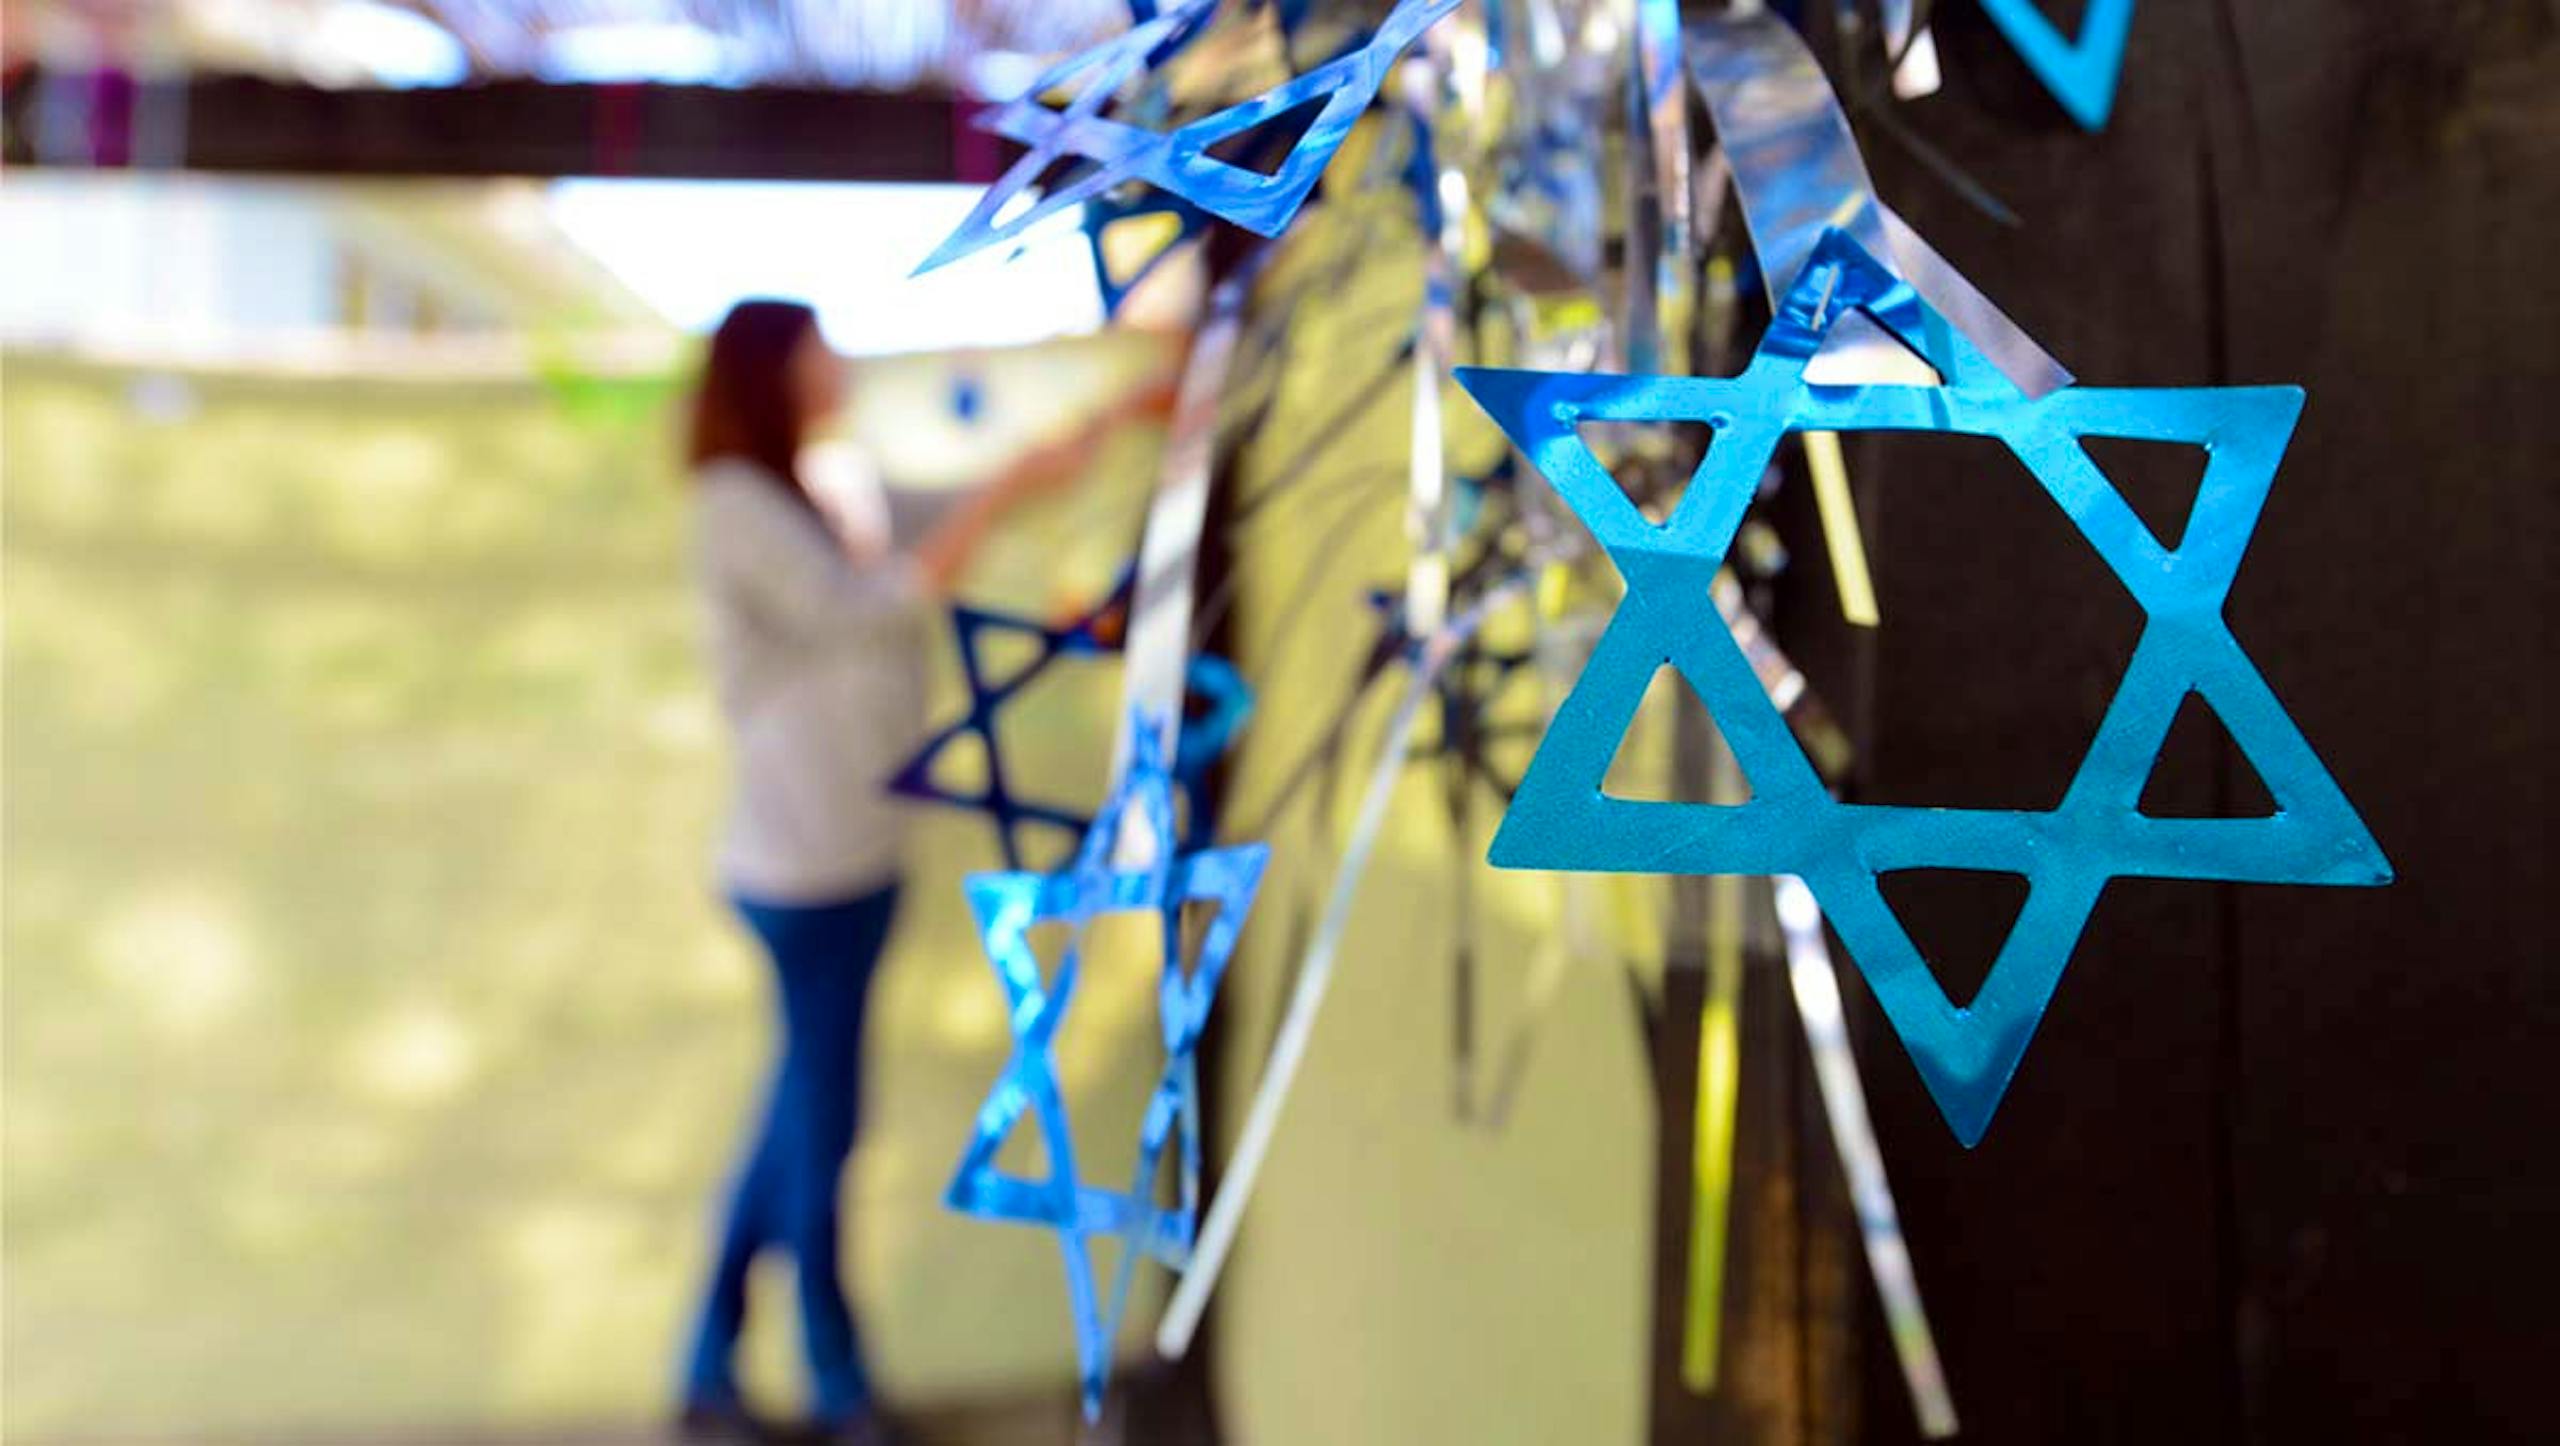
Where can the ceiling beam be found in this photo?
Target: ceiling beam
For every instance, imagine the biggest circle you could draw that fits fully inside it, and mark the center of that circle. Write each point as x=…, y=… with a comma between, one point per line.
x=504, y=128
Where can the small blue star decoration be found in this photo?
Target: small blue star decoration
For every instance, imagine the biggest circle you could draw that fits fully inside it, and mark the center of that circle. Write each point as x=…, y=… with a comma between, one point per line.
x=968, y=397
x=1007, y=906
x=1177, y=161
x=1213, y=682
x=1562, y=819
x=2081, y=73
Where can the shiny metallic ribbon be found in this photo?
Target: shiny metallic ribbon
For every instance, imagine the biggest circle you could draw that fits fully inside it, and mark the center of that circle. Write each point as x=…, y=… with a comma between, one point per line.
x=1158, y=645
x=1909, y=50
x=1816, y=989
x=1430, y=518
x=1658, y=261
x=1315, y=977
x=1716, y=1106
x=1796, y=167
x=1547, y=209
x=1895, y=16
x=1450, y=69
x=1797, y=173
x=1431, y=512
x=1816, y=983
x=1666, y=115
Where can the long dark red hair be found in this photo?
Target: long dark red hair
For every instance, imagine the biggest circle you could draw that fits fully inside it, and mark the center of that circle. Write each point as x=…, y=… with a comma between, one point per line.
x=747, y=407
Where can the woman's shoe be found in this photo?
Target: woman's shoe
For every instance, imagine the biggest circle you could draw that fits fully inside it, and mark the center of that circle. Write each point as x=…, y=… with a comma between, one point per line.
x=703, y=1423
x=868, y=1429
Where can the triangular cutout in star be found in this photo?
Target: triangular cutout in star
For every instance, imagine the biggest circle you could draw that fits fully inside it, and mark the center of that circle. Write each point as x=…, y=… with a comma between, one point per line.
x=1263, y=195
x=1060, y=173
x=1050, y=942
x=1113, y=1262
x=2184, y=782
x=1643, y=768
x=1022, y=1151
x=960, y=768
x=1858, y=353
x=1132, y=229
x=1129, y=244
x=1966, y=1054
x=1189, y=935
x=2158, y=480
x=1652, y=461
x=1265, y=146
x=1959, y=920
x=1007, y=651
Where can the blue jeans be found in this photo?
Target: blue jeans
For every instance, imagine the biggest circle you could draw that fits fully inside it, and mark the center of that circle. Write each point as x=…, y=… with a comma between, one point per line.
x=786, y=1192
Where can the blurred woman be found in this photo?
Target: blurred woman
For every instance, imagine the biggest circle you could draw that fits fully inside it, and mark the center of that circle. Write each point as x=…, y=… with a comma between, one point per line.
x=818, y=649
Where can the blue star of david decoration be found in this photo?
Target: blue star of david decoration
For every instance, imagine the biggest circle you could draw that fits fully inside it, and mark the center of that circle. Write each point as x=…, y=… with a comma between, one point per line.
x=1179, y=160
x=1225, y=700
x=1007, y=906
x=2081, y=73
x=1561, y=819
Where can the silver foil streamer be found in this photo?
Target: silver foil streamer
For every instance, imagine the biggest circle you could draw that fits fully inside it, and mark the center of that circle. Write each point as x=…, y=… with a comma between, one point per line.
x=1315, y=977
x=1158, y=646
x=1431, y=518
x=1797, y=173
x=1653, y=326
x=1816, y=982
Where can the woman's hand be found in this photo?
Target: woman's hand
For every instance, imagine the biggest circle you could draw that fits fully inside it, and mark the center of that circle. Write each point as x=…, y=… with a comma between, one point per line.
x=1045, y=470
x=1052, y=466
x=945, y=552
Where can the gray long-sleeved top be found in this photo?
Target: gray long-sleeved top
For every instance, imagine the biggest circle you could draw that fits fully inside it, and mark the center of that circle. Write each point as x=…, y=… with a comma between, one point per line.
x=819, y=662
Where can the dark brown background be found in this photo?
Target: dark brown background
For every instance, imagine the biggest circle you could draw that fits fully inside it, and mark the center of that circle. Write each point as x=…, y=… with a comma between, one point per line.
x=2280, y=1165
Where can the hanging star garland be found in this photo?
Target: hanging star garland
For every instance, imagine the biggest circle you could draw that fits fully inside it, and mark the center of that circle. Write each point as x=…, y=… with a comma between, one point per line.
x=1178, y=161
x=1225, y=700
x=1562, y=819
x=1007, y=906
